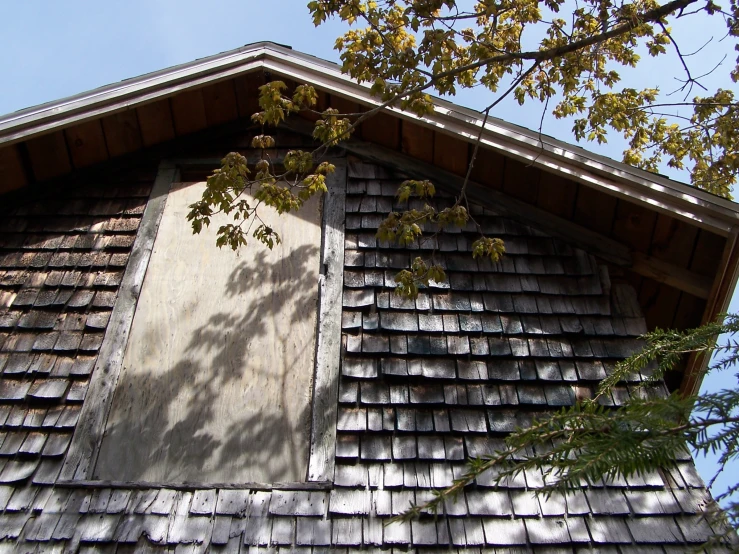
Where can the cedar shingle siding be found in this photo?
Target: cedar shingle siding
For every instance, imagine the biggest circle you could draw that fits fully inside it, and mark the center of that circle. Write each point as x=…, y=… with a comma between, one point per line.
x=61, y=261
x=423, y=385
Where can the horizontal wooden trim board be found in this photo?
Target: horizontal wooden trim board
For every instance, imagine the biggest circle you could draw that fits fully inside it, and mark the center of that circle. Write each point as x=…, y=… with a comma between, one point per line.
x=670, y=274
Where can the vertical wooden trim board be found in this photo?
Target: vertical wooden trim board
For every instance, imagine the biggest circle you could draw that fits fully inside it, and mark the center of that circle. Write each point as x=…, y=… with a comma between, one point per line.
x=328, y=341
x=79, y=462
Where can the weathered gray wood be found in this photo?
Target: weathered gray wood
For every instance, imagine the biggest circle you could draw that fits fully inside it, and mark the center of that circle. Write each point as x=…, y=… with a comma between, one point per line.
x=326, y=382
x=217, y=374
x=669, y=274
x=150, y=485
x=625, y=301
x=79, y=460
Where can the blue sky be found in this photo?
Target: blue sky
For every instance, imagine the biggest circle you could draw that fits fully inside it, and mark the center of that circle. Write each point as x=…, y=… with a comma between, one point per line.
x=55, y=49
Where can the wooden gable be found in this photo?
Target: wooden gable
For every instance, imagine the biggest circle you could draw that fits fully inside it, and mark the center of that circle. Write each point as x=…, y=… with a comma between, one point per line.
x=682, y=269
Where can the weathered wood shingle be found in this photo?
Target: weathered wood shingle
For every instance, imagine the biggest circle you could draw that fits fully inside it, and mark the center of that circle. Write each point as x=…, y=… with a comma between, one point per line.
x=423, y=385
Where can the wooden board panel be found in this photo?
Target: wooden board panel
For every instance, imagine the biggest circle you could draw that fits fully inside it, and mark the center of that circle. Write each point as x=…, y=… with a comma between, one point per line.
x=155, y=120
x=49, y=156
x=247, y=93
x=417, y=141
x=122, y=133
x=346, y=107
x=672, y=275
x=343, y=105
x=521, y=180
x=220, y=103
x=286, y=139
x=382, y=129
x=290, y=84
x=216, y=378
x=87, y=143
x=188, y=110
x=709, y=248
x=689, y=312
x=673, y=240
x=633, y=225
x=12, y=175
x=450, y=153
x=488, y=168
x=634, y=279
x=557, y=194
x=595, y=210
x=659, y=303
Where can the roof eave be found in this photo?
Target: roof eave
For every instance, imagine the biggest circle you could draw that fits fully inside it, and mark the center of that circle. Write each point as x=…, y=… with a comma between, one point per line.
x=676, y=199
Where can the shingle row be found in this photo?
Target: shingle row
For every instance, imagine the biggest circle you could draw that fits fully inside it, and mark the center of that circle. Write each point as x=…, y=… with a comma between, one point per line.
x=525, y=255
x=369, y=393
x=493, y=323
x=501, y=417
x=525, y=265
x=479, y=282
x=460, y=301
x=549, y=348
x=61, y=263
x=15, y=365
x=290, y=532
x=468, y=369
x=344, y=517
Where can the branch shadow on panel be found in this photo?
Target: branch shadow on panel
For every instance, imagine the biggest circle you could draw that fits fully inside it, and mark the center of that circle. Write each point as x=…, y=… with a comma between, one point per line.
x=174, y=427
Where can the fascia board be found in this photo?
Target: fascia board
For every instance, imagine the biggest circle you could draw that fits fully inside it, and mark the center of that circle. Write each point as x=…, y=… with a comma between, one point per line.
x=109, y=99
x=708, y=211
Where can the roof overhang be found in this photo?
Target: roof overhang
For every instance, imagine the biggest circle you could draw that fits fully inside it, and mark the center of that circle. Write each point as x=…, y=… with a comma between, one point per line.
x=658, y=193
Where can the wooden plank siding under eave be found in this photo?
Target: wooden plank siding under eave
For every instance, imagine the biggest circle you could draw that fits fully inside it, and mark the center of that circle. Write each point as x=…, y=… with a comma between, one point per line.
x=188, y=111
x=53, y=155
x=122, y=133
x=49, y=156
x=221, y=104
x=86, y=143
x=718, y=303
x=12, y=172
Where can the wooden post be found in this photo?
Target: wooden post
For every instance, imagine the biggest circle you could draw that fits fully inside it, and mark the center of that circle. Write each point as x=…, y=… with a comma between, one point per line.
x=328, y=342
